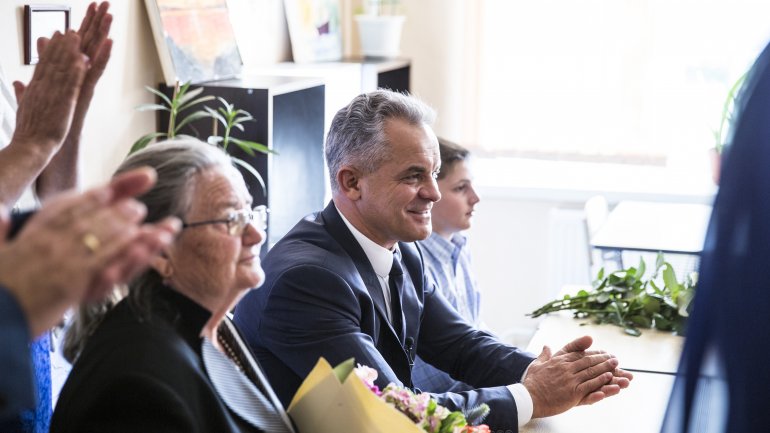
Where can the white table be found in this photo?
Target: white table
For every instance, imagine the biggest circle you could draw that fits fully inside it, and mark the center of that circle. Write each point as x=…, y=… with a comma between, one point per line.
x=651, y=227
x=638, y=409
x=653, y=351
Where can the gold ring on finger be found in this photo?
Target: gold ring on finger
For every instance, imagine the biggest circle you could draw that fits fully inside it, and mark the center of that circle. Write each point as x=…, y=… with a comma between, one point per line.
x=91, y=242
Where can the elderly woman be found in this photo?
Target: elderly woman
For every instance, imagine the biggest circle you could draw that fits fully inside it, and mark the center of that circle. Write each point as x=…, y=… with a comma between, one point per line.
x=167, y=358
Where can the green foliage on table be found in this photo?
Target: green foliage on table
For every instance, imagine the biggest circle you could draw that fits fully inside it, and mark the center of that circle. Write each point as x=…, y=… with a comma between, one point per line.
x=626, y=299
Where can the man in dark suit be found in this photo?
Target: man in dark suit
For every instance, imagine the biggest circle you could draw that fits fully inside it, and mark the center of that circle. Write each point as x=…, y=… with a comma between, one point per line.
x=349, y=282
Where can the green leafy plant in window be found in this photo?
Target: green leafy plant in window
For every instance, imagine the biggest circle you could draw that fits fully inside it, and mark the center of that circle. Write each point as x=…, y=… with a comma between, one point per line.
x=626, y=299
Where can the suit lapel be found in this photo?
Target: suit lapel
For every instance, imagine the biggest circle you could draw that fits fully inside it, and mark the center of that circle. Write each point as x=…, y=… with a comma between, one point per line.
x=340, y=232
x=411, y=300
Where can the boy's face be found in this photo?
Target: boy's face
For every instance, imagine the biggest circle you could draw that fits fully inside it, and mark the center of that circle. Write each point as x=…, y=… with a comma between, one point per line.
x=453, y=212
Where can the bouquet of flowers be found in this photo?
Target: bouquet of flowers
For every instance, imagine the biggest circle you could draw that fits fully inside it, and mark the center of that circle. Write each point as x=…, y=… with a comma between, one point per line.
x=345, y=399
x=422, y=409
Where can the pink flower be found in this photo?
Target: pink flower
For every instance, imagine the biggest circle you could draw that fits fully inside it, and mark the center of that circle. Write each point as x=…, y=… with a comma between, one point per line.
x=367, y=375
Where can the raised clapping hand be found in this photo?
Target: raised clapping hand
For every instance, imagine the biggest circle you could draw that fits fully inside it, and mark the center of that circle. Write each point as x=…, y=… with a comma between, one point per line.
x=78, y=246
x=71, y=96
x=573, y=376
x=48, y=103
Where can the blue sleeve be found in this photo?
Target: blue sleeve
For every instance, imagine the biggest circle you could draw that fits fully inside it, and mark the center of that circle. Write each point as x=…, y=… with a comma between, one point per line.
x=17, y=391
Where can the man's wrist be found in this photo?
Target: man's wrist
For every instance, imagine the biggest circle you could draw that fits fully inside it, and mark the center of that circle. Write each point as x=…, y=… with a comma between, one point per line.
x=524, y=403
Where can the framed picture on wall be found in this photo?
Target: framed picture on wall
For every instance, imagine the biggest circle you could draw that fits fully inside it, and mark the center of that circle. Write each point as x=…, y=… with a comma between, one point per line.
x=195, y=40
x=42, y=21
x=314, y=30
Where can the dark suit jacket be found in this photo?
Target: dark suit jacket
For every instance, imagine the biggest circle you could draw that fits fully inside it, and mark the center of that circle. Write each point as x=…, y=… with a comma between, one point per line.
x=321, y=297
x=145, y=375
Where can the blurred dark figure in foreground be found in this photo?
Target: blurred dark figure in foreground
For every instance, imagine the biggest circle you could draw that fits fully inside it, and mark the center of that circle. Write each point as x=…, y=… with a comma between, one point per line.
x=724, y=384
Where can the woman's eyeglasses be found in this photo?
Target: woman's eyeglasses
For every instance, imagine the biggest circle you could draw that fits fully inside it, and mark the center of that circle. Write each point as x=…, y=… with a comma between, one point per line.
x=238, y=220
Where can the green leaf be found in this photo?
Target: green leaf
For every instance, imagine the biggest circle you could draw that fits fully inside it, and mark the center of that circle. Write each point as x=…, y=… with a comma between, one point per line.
x=227, y=106
x=213, y=113
x=343, y=369
x=477, y=414
x=184, y=96
x=600, y=275
x=453, y=421
x=251, y=170
x=651, y=305
x=195, y=102
x=659, y=261
x=246, y=118
x=643, y=321
x=151, y=107
x=253, y=145
x=144, y=140
x=192, y=117
x=160, y=94
x=640, y=269
x=630, y=330
x=669, y=279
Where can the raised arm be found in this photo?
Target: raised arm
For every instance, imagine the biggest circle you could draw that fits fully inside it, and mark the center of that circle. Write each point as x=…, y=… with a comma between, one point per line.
x=44, y=115
x=62, y=172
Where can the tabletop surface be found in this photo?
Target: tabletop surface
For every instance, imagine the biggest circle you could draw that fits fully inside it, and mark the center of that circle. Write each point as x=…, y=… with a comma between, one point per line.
x=650, y=226
x=640, y=408
x=653, y=351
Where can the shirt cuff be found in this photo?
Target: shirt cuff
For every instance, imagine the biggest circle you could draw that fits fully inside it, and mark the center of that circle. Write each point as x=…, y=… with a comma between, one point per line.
x=523, y=402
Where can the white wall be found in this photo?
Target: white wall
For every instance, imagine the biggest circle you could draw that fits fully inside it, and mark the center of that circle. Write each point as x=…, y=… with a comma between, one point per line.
x=510, y=256
x=433, y=39
x=112, y=123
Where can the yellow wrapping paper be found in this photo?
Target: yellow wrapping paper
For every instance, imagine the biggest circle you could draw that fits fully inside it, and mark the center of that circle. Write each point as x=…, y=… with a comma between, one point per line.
x=336, y=401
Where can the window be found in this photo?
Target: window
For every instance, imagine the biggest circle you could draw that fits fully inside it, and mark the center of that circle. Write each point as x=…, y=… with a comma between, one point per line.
x=609, y=80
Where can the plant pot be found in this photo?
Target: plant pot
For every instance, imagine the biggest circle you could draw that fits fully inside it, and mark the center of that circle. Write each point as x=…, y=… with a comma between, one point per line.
x=380, y=36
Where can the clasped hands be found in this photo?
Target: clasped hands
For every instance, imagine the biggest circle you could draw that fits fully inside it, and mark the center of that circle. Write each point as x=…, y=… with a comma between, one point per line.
x=573, y=376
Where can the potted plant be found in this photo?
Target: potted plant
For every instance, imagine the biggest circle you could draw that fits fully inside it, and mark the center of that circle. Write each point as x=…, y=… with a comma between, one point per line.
x=721, y=134
x=180, y=115
x=379, y=28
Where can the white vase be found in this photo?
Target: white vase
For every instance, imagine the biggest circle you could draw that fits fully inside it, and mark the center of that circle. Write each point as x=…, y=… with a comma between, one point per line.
x=380, y=35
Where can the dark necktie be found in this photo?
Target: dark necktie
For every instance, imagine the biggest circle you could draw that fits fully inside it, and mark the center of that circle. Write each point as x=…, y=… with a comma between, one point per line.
x=396, y=283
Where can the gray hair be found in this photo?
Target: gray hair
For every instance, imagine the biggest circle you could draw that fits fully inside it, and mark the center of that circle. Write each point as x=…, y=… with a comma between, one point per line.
x=357, y=134
x=178, y=163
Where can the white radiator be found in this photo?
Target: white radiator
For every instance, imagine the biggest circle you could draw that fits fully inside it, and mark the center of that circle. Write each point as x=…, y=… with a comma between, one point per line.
x=567, y=249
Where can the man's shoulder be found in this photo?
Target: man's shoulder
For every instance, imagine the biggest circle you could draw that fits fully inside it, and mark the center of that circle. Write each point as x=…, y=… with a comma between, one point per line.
x=307, y=243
